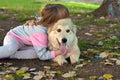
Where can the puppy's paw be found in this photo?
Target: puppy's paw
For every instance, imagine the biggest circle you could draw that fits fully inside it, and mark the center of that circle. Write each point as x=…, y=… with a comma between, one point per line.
x=60, y=60
x=73, y=59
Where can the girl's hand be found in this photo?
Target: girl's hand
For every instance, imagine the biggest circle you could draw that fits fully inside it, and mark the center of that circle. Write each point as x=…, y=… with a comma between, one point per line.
x=61, y=51
x=30, y=22
x=65, y=50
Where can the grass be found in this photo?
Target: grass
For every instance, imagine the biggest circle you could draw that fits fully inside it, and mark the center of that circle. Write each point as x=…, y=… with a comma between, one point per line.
x=111, y=42
x=101, y=22
x=34, y=5
x=26, y=8
x=5, y=16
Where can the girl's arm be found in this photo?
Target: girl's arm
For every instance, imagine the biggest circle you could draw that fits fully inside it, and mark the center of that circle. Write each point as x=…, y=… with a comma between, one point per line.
x=39, y=41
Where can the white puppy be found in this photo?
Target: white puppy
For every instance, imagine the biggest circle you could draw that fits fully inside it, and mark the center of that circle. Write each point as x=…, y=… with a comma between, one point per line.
x=63, y=34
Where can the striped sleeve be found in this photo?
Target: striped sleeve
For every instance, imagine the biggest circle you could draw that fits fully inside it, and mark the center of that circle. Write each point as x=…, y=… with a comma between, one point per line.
x=39, y=41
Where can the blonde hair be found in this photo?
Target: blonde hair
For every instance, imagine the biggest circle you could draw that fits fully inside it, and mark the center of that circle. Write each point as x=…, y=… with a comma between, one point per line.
x=51, y=13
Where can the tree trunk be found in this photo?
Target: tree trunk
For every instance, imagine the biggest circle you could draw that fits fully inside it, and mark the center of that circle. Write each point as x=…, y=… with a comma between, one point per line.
x=109, y=8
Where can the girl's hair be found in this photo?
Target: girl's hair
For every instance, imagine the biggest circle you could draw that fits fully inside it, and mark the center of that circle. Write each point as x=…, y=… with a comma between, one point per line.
x=51, y=13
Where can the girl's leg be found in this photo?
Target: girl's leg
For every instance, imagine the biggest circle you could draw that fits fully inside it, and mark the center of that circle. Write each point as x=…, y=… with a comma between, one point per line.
x=25, y=53
x=10, y=46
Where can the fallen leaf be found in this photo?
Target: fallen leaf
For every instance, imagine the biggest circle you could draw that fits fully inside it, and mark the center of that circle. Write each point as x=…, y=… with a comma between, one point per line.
x=58, y=72
x=39, y=75
x=47, y=68
x=108, y=63
x=80, y=65
x=13, y=68
x=101, y=78
x=88, y=34
x=32, y=69
x=9, y=76
x=27, y=76
x=50, y=76
x=55, y=64
x=92, y=77
x=118, y=62
x=102, y=17
x=104, y=54
x=80, y=79
x=24, y=68
x=8, y=71
x=91, y=51
x=20, y=72
x=8, y=64
x=1, y=64
x=69, y=74
x=2, y=72
x=113, y=59
x=100, y=43
x=107, y=76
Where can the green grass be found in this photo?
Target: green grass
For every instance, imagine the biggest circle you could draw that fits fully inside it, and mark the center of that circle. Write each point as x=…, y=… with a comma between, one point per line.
x=101, y=21
x=116, y=27
x=34, y=4
x=28, y=7
x=111, y=42
x=4, y=16
x=86, y=19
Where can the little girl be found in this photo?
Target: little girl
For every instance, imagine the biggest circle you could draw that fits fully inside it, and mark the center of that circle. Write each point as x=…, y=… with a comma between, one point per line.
x=28, y=42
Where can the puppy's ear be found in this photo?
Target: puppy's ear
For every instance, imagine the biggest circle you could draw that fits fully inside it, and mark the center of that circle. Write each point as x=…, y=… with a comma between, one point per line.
x=74, y=29
x=73, y=26
x=52, y=28
x=49, y=30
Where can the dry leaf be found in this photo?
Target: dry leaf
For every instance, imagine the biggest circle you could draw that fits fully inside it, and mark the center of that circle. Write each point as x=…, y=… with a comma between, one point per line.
x=104, y=54
x=118, y=62
x=108, y=76
x=92, y=77
x=108, y=63
x=113, y=59
x=13, y=68
x=58, y=72
x=102, y=17
x=9, y=76
x=47, y=68
x=81, y=79
x=80, y=65
x=69, y=74
x=8, y=64
x=32, y=69
x=27, y=76
x=2, y=72
x=88, y=34
x=55, y=64
x=20, y=72
x=39, y=75
x=24, y=68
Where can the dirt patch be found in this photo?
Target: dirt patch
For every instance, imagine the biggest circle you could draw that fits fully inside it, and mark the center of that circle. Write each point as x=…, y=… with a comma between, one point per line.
x=5, y=26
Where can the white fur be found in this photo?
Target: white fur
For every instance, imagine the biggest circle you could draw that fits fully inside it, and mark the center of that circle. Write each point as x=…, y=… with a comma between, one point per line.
x=54, y=37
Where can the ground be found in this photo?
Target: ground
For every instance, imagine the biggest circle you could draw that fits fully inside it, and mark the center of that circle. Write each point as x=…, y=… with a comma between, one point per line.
x=93, y=66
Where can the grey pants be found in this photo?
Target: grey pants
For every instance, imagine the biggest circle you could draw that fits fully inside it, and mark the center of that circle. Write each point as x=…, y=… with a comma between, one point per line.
x=13, y=49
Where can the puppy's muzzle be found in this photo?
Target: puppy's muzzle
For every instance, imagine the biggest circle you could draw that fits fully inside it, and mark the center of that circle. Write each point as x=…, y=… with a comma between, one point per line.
x=64, y=40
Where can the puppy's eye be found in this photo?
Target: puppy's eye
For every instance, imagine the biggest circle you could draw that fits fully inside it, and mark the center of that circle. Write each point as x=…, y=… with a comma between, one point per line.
x=68, y=31
x=58, y=30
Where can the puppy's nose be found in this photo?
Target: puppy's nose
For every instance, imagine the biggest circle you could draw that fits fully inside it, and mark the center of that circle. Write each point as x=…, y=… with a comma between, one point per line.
x=64, y=40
